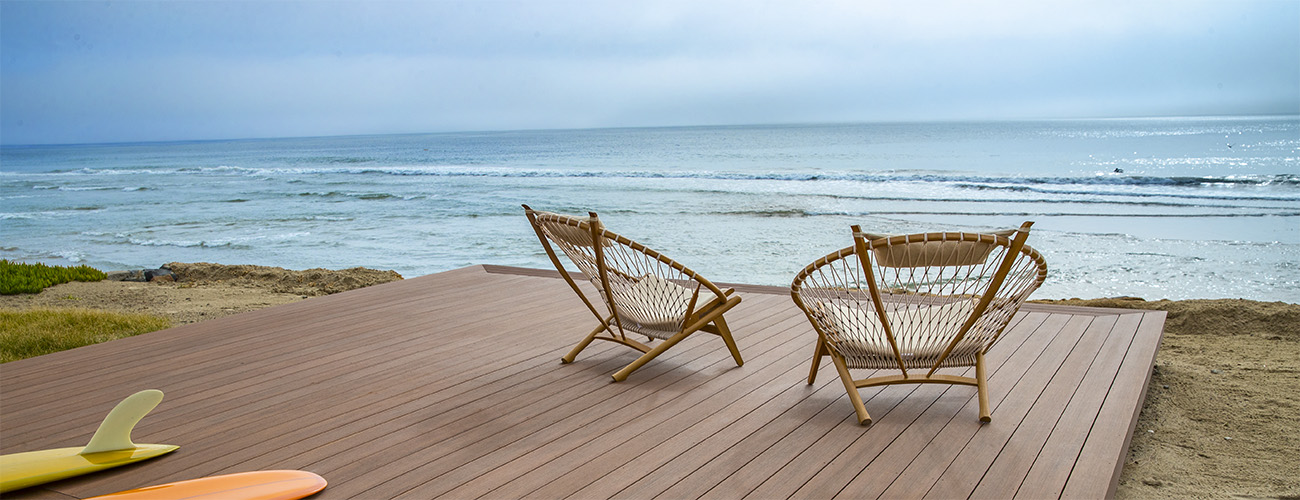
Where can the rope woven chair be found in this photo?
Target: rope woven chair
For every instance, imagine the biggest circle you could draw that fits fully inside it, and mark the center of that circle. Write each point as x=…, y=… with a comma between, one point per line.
x=643, y=291
x=916, y=303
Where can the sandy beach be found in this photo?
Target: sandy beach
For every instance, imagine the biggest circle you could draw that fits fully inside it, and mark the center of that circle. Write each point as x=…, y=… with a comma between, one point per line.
x=1220, y=418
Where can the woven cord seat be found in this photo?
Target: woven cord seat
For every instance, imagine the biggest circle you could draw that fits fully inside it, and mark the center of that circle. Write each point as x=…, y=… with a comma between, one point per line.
x=643, y=292
x=916, y=303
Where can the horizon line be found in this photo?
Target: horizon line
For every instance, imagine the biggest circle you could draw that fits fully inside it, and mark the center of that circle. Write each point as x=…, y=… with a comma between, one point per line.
x=651, y=127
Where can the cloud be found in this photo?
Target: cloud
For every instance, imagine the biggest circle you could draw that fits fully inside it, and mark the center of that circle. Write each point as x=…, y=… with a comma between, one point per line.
x=81, y=72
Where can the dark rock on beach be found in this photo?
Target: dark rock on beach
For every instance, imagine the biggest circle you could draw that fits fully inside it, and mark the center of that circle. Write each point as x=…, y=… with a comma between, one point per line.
x=141, y=275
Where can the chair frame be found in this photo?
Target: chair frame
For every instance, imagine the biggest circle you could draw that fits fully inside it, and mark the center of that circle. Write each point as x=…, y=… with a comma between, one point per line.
x=863, y=243
x=707, y=317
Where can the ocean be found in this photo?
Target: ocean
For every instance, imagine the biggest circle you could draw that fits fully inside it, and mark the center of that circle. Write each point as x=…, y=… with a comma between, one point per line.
x=1175, y=208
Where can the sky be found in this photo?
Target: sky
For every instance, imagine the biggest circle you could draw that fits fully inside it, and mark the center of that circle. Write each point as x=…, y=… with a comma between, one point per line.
x=138, y=71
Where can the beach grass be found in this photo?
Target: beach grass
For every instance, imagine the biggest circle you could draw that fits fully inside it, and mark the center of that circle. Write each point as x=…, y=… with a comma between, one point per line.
x=16, y=277
x=33, y=332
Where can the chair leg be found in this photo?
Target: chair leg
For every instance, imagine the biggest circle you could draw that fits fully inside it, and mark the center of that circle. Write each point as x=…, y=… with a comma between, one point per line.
x=863, y=417
x=981, y=376
x=817, y=361
x=725, y=333
x=568, y=358
x=621, y=375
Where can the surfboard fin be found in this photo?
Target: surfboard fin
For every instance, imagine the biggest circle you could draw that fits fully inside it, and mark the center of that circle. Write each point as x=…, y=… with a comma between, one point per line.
x=114, y=434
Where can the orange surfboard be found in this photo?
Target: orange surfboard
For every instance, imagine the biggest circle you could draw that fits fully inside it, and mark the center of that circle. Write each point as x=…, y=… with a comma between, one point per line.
x=257, y=485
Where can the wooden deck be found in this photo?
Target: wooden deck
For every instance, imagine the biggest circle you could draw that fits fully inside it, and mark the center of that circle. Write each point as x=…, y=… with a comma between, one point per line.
x=450, y=386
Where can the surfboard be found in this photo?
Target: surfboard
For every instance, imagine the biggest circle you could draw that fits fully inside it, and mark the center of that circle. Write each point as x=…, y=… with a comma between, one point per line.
x=111, y=446
x=257, y=485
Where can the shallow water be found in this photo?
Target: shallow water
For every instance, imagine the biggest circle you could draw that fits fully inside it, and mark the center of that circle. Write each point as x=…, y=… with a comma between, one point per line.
x=1158, y=208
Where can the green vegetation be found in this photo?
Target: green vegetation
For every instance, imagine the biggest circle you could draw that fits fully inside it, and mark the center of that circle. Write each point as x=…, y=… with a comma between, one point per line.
x=18, y=278
x=33, y=332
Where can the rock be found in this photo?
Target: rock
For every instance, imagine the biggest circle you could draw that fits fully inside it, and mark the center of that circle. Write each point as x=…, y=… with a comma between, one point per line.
x=310, y=282
x=1216, y=371
x=135, y=275
x=159, y=275
x=1151, y=481
x=141, y=275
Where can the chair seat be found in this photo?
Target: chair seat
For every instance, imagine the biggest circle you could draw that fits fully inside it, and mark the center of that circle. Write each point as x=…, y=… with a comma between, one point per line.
x=864, y=345
x=653, y=306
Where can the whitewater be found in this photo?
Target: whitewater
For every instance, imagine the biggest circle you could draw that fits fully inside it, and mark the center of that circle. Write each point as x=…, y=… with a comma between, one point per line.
x=1172, y=208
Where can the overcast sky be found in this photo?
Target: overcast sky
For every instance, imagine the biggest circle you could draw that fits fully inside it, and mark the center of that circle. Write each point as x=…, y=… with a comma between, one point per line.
x=80, y=72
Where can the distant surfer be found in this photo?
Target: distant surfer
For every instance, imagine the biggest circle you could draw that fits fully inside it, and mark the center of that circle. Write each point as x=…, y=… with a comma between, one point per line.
x=1119, y=170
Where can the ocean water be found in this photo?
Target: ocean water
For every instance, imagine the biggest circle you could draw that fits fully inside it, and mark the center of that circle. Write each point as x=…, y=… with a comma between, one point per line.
x=1157, y=208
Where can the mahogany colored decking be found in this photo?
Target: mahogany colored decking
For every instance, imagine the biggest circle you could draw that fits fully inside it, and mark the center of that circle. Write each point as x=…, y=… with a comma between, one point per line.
x=450, y=386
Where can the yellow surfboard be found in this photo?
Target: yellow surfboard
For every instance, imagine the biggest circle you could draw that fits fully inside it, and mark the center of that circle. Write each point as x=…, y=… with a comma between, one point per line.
x=257, y=485
x=111, y=446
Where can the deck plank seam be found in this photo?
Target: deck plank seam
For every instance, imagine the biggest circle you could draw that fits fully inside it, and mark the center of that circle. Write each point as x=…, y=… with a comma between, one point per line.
x=1046, y=387
x=597, y=436
x=1028, y=376
x=849, y=444
x=1037, y=339
x=1113, y=333
x=699, y=352
x=1031, y=324
x=779, y=344
x=362, y=344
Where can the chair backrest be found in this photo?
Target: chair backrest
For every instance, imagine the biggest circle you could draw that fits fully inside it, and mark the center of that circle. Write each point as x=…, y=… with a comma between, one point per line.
x=643, y=290
x=919, y=301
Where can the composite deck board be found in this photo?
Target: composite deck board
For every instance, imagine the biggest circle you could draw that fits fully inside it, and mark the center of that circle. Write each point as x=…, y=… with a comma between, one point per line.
x=985, y=442
x=722, y=478
x=450, y=386
x=985, y=445
x=238, y=344
x=610, y=450
x=534, y=413
x=591, y=420
x=1006, y=366
x=536, y=462
x=195, y=395
x=839, y=433
x=159, y=346
x=817, y=444
x=673, y=457
x=678, y=380
x=952, y=429
x=1008, y=470
x=1047, y=476
x=1104, y=457
x=361, y=397
x=564, y=413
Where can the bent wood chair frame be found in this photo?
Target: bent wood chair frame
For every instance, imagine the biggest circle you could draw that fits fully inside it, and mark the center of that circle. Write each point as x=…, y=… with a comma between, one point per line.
x=643, y=291
x=916, y=303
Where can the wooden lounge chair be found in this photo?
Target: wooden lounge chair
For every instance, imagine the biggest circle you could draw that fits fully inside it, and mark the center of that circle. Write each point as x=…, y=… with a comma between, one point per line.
x=916, y=303
x=643, y=291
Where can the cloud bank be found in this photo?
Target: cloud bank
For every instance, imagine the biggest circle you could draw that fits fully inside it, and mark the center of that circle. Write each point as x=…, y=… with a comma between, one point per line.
x=79, y=72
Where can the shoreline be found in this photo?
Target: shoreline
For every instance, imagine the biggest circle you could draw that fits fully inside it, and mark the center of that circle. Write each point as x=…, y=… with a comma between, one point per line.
x=201, y=291
x=1220, y=418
